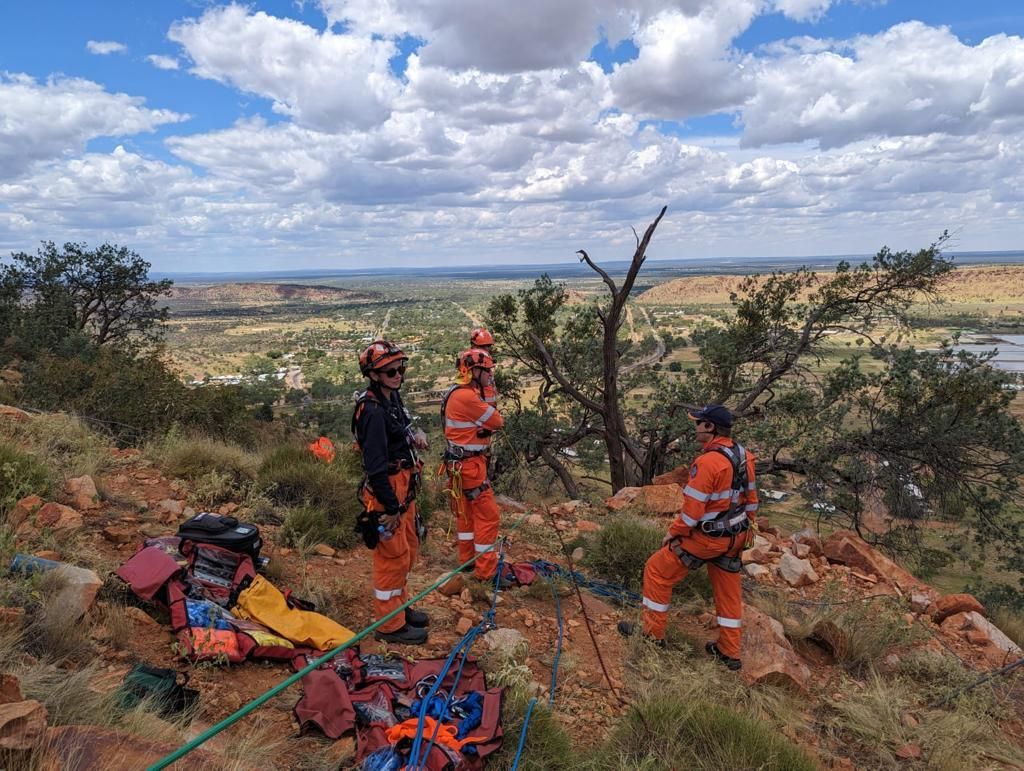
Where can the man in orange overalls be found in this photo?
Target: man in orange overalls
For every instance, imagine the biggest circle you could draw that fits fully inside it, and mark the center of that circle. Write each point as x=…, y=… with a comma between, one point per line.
x=383, y=430
x=719, y=502
x=481, y=338
x=469, y=423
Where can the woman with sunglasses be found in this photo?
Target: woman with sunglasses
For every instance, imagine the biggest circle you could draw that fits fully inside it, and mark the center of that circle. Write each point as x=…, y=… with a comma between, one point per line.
x=383, y=430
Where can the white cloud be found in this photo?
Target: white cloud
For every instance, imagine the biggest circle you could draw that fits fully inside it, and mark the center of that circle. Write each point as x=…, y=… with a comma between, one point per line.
x=46, y=120
x=162, y=62
x=323, y=80
x=803, y=10
x=105, y=47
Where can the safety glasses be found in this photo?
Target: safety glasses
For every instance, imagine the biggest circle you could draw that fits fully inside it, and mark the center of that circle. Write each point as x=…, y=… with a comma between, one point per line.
x=393, y=371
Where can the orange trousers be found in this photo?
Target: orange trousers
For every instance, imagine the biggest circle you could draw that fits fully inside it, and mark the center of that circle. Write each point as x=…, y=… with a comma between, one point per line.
x=664, y=570
x=476, y=520
x=394, y=557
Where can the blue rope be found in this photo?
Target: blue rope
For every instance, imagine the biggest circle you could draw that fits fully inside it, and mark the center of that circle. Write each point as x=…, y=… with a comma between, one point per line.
x=522, y=734
x=558, y=648
x=618, y=594
x=464, y=645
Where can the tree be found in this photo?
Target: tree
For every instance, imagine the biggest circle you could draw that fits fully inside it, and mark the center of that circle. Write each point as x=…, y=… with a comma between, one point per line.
x=105, y=294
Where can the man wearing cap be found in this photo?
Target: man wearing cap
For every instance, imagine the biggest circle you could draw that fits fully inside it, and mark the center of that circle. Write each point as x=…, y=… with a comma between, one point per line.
x=719, y=503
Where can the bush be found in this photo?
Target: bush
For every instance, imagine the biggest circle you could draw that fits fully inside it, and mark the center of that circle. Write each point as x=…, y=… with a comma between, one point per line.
x=619, y=551
x=307, y=526
x=547, y=746
x=21, y=474
x=695, y=734
x=66, y=443
x=217, y=470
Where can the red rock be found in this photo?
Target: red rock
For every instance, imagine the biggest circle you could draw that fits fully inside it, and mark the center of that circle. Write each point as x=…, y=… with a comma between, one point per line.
x=949, y=604
x=119, y=534
x=663, y=499
x=464, y=625
x=680, y=475
x=13, y=414
x=170, y=506
x=756, y=571
x=24, y=509
x=586, y=526
x=452, y=586
x=801, y=550
x=847, y=548
x=623, y=498
x=80, y=493
x=323, y=550
x=796, y=572
x=56, y=516
x=10, y=689
x=12, y=619
x=999, y=649
x=535, y=520
x=977, y=637
x=759, y=555
x=909, y=752
x=228, y=508
x=767, y=655
x=810, y=539
x=22, y=725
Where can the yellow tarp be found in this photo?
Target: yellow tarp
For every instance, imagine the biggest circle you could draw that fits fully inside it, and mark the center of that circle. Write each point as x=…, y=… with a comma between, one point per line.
x=264, y=604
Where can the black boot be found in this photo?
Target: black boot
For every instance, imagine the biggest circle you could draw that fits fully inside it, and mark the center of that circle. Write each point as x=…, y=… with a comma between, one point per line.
x=407, y=635
x=628, y=629
x=416, y=618
x=728, y=661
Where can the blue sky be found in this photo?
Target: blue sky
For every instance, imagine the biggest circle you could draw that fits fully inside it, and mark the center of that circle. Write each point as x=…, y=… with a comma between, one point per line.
x=214, y=136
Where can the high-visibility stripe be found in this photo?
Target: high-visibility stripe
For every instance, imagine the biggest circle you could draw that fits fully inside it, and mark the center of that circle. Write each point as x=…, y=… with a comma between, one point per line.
x=730, y=623
x=696, y=494
x=483, y=418
x=459, y=423
x=721, y=495
x=491, y=399
x=750, y=507
x=465, y=536
x=687, y=520
x=386, y=594
x=657, y=606
x=751, y=485
x=482, y=546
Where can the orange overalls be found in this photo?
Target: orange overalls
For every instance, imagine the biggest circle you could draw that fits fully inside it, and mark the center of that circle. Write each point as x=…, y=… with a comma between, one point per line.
x=391, y=470
x=708, y=494
x=466, y=417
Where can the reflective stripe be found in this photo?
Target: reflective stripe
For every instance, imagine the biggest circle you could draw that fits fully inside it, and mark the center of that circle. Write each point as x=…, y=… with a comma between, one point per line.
x=750, y=507
x=730, y=623
x=687, y=520
x=491, y=399
x=721, y=496
x=751, y=485
x=386, y=594
x=659, y=607
x=695, y=494
x=465, y=536
x=483, y=418
x=459, y=423
x=480, y=547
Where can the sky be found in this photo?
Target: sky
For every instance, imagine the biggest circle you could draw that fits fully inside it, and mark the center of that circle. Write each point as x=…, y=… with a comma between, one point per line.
x=216, y=136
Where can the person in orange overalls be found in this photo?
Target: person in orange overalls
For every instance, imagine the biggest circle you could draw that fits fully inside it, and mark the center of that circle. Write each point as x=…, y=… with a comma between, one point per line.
x=383, y=430
x=469, y=424
x=481, y=338
x=719, y=502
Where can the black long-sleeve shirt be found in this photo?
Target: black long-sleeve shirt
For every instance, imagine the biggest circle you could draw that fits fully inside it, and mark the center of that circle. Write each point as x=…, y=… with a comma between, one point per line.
x=382, y=431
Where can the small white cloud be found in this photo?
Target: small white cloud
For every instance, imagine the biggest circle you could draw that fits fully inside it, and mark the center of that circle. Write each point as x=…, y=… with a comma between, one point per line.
x=162, y=62
x=105, y=47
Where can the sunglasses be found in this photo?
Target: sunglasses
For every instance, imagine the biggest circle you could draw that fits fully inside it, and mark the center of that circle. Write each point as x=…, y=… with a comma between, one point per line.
x=393, y=371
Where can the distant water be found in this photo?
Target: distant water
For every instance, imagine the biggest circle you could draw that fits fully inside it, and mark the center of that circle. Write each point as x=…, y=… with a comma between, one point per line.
x=1009, y=350
x=662, y=269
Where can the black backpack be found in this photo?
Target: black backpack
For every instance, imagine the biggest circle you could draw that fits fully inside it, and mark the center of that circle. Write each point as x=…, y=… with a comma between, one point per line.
x=226, y=532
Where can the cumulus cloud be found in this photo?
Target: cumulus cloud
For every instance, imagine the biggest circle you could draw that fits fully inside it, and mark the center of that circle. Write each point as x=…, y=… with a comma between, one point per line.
x=323, y=80
x=912, y=79
x=162, y=62
x=105, y=47
x=47, y=120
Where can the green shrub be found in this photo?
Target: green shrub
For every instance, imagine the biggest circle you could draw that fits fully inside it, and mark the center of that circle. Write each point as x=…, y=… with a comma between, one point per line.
x=293, y=477
x=67, y=444
x=306, y=526
x=669, y=732
x=547, y=746
x=21, y=474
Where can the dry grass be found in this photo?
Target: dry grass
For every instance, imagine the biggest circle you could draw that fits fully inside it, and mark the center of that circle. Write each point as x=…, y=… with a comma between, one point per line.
x=1012, y=624
x=216, y=471
x=66, y=444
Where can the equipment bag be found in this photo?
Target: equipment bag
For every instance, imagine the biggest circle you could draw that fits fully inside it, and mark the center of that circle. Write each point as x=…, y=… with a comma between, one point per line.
x=160, y=688
x=222, y=531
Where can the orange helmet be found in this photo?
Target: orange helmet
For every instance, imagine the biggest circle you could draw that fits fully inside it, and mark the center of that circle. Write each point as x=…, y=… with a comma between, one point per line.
x=378, y=355
x=474, y=358
x=480, y=336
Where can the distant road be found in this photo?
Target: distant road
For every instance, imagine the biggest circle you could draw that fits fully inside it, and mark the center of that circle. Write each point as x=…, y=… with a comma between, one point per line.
x=381, y=333
x=474, y=320
x=659, y=349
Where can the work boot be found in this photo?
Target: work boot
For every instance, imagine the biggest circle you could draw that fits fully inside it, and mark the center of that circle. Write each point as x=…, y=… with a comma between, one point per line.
x=728, y=661
x=416, y=618
x=628, y=629
x=407, y=635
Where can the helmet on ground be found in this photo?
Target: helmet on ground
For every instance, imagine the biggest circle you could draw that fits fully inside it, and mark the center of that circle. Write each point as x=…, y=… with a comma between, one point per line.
x=474, y=358
x=378, y=355
x=480, y=336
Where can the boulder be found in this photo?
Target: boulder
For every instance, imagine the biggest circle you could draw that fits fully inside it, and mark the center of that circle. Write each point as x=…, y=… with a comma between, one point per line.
x=24, y=509
x=756, y=571
x=801, y=550
x=535, y=520
x=663, y=499
x=452, y=586
x=920, y=601
x=623, y=498
x=759, y=555
x=810, y=539
x=58, y=517
x=323, y=550
x=587, y=526
x=22, y=725
x=508, y=643
x=996, y=646
x=795, y=571
x=80, y=493
x=116, y=534
x=680, y=475
x=92, y=747
x=847, y=548
x=767, y=655
x=13, y=414
x=79, y=587
x=950, y=604
x=171, y=507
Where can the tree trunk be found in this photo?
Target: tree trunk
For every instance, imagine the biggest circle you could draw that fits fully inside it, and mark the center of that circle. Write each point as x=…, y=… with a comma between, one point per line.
x=564, y=476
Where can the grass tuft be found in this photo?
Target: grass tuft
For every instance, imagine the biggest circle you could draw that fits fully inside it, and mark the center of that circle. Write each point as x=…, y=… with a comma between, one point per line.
x=21, y=474
x=217, y=471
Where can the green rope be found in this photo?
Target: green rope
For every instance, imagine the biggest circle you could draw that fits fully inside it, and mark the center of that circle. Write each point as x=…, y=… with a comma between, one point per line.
x=213, y=730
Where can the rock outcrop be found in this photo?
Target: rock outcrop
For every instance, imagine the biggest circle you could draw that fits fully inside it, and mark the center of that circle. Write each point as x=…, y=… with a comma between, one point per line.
x=767, y=655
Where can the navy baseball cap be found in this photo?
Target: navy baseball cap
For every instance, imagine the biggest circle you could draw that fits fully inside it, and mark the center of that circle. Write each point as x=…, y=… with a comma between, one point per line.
x=714, y=413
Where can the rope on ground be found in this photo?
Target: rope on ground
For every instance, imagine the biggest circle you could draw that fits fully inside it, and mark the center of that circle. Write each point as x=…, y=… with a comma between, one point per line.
x=558, y=647
x=980, y=681
x=522, y=734
x=272, y=692
x=613, y=592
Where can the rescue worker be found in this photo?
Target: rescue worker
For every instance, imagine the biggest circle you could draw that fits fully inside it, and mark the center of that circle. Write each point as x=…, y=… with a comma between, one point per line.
x=719, y=503
x=469, y=424
x=481, y=338
x=389, y=524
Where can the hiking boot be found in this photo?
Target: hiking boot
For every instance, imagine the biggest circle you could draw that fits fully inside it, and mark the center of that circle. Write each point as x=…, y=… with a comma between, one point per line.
x=416, y=618
x=728, y=661
x=628, y=629
x=407, y=635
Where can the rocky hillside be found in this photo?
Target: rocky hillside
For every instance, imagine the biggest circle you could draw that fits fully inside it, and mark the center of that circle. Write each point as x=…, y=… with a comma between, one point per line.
x=846, y=655
x=243, y=293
